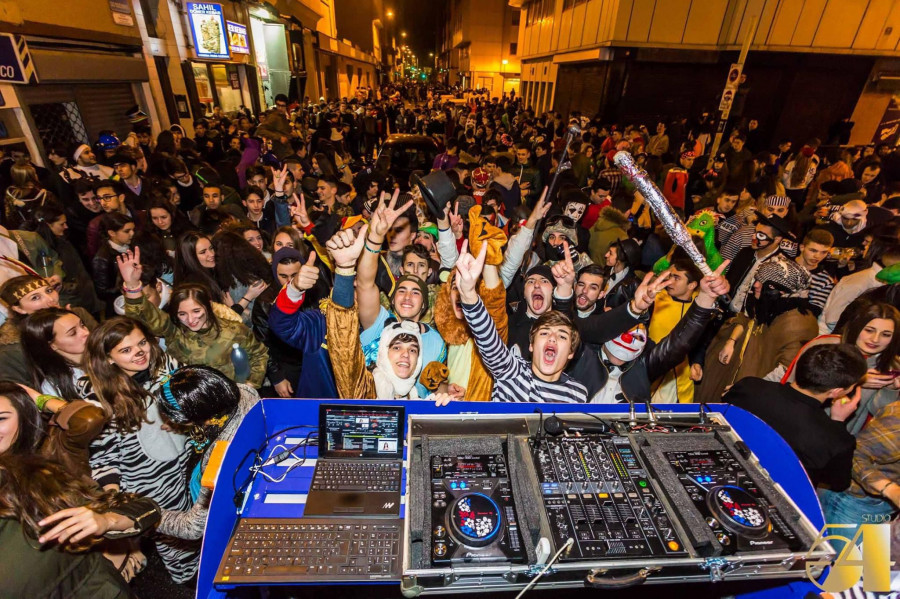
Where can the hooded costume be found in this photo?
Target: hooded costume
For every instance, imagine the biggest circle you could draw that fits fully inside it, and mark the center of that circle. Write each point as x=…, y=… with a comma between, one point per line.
x=768, y=334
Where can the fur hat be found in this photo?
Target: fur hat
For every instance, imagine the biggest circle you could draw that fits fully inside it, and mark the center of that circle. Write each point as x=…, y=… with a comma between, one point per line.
x=559, y=227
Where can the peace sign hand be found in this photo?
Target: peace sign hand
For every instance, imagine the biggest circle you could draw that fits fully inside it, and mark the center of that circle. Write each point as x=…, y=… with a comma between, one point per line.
x=645, y=294
x=468, y=271
x=298, y=210
x=385, y=214
x=279, y=177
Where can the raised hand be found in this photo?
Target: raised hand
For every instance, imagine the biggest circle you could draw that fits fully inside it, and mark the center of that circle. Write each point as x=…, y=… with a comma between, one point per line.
x=345, y=246
x=468, y=270
x=255, y=289
x=456, y=222
x=308, y=275
x=645, y=294
x=564, y=272
x=441, y=399
x=385, y=214
x=130, y=268
x=279, y=177
x=298, y=210
x=539, y=211
x=712, y=286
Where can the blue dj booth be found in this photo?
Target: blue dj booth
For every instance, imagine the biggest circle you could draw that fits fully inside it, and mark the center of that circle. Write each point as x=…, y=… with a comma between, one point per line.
x=239, y=493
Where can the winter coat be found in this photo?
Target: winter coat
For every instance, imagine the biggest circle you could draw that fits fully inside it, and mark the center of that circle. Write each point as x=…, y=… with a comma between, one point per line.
x=209, y=347
x=610, y=227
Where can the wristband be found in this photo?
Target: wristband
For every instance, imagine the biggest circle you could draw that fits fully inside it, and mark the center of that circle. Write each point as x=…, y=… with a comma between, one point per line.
x=345, y=271
x=127, y=290
x=732, y=340
x=366, y=245
x=42, y=399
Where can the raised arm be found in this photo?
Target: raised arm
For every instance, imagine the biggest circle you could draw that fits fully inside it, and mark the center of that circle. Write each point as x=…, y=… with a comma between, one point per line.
x=521, y=241
x=383, y=218
x=136, y=305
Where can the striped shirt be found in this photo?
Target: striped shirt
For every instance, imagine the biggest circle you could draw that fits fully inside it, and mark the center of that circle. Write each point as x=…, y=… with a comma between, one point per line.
x=743, y=238
x=514, y=380
x=820, y=286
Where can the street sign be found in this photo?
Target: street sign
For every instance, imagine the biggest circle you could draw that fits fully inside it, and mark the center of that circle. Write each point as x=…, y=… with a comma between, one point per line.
x=16, y=65
x=237, y=37
x=727, y=99
x=734, y=75
x=208, y=30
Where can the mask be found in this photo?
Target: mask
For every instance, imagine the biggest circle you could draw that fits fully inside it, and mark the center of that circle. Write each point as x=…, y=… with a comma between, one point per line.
x=575, y=210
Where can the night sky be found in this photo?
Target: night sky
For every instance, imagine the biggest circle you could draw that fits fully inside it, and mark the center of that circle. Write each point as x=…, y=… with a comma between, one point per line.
x=420, y=20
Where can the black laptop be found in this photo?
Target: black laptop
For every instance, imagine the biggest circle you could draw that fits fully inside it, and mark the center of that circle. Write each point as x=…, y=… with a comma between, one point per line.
x=360, y=461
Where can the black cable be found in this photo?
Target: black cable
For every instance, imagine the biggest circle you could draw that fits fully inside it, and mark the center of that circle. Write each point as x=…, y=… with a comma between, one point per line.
x=239, y=491
x=608, y=425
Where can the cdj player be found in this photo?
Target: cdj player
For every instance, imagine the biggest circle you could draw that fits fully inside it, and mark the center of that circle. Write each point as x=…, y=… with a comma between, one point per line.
x=473, y=516
x=732, y=505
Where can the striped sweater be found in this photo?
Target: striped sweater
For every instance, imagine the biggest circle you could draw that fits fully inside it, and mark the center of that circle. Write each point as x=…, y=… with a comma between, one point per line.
x=514, y=380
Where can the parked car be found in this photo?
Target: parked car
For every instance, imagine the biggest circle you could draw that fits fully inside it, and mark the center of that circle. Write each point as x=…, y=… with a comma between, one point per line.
x=403, y=153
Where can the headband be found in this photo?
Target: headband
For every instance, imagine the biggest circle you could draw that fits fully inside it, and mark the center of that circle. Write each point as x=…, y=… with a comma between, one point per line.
x=80, y=150
x=32, y=285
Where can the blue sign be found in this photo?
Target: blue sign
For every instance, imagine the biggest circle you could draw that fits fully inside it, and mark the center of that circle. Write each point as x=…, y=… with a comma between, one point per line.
x=208, y=30
x=237, y=38
x=16, y=65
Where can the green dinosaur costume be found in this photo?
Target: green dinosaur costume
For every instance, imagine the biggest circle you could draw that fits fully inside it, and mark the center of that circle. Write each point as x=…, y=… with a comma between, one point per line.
x=703, y=225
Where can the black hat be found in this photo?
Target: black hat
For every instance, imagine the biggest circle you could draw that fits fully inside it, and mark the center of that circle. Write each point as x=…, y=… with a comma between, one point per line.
x=437, y=191
x=777, y=223
x=832, y=188
x=123, y=157
x=630, y=252
x=542, y=270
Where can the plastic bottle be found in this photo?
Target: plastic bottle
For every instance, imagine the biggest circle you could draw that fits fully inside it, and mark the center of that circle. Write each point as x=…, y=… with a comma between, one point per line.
x=241, y=363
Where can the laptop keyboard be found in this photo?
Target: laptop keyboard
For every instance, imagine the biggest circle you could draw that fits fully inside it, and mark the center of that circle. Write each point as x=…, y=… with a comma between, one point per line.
x=298, y=550
x=357, y=476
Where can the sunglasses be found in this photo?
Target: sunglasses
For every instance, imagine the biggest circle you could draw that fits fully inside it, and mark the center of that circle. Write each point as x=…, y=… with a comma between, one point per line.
x=566, y=221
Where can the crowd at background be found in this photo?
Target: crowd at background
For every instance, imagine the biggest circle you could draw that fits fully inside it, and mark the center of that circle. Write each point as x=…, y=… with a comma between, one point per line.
x=154, y=287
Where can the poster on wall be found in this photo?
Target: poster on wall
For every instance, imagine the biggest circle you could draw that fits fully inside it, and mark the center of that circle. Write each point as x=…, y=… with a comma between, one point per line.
x=208, y=30
x=237, y=38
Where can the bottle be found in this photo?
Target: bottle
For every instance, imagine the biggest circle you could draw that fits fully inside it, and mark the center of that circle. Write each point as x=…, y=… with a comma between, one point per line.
x=241, y=363
x=45, y=263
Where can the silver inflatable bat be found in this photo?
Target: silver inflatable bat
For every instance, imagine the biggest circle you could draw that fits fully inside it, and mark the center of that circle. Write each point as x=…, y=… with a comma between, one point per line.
x=661, y=208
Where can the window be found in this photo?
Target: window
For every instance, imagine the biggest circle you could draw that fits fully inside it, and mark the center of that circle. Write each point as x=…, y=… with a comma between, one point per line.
x=59, y=124
x=513, y=48
x=515, y=17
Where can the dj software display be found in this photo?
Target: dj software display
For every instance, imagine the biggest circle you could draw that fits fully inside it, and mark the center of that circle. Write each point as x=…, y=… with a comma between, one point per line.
x=656, y=500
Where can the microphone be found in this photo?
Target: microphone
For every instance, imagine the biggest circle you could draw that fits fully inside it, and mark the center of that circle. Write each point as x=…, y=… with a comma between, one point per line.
x=555, y=426
x=574, y=129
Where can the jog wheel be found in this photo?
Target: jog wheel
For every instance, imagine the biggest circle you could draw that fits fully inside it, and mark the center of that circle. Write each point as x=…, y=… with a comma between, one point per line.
x=475, y=520
x=738, y=511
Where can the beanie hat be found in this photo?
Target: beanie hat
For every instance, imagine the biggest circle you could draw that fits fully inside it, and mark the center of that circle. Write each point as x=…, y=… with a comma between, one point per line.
x=541, y=270
x=778, y=201
x=628, y=345
x=285, y=252
x=480, y=177
x=422, y=287
x=560, y=228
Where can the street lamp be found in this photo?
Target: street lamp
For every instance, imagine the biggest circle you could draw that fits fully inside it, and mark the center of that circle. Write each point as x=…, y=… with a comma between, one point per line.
x=389, y=14
x=403, y=34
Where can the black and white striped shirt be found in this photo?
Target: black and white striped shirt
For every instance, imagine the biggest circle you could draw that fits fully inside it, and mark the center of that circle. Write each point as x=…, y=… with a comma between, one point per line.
x=514, y=380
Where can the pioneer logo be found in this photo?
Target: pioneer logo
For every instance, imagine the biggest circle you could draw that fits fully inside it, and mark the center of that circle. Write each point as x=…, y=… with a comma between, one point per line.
x=761, y=542
x=388, y=505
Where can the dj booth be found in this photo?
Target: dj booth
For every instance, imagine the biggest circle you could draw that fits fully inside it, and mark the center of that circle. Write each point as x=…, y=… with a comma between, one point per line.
x=497, y=496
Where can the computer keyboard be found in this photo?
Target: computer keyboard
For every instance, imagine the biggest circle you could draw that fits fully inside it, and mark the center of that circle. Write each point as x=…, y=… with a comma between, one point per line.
x=270, y=550
x=357, y=476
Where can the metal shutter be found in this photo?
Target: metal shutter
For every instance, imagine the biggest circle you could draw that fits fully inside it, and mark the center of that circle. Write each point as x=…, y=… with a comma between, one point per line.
x=103, y=106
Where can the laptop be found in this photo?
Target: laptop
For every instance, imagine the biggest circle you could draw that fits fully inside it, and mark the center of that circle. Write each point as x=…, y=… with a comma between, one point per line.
x=360, y=462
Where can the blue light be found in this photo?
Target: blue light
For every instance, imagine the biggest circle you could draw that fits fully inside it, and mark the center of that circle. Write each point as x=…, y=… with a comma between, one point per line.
x=452, y=485
x=462, y=485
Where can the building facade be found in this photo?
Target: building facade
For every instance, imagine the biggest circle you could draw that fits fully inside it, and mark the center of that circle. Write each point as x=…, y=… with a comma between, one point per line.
x=637, y=60
x=479, y=45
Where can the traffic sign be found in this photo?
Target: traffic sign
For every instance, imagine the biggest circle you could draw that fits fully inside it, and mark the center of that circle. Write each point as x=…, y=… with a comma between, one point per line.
x=16, y=65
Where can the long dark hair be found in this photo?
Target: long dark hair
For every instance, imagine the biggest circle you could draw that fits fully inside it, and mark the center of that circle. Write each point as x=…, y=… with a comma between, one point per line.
x=860, y=313
x=33, y=487
x=45, y=364
x=180, y=223
x=196, y=292
x=189, y=270
x=237, y=260
x=199, y=394
x=120, y=395
x=31, y=427
x=40, y=221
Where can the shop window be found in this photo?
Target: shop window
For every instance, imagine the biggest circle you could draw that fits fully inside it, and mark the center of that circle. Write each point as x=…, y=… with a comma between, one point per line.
x=513, y=48
x=59, y=124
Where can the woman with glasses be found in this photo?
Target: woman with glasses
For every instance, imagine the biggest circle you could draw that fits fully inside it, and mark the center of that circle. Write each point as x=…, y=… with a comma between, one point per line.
x=134, y=452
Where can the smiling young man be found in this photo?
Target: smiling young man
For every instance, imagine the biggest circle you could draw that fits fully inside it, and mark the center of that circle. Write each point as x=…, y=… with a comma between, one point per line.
x=815, y=248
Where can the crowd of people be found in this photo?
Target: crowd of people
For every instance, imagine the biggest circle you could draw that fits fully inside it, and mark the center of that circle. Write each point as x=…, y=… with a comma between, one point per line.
x=154, y=288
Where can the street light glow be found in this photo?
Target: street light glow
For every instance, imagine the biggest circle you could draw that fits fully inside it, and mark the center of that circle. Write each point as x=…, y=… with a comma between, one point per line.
x=504, y=61
x=389, y=14
x=402, y=34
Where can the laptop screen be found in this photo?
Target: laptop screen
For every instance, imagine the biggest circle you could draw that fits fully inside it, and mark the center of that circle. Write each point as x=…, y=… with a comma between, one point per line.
x=361, y=431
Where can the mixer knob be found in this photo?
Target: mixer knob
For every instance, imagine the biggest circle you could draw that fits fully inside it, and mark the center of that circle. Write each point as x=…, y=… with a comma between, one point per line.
x=439, y=532
x=723, y=539
x=440, y=549
x=712, y=522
